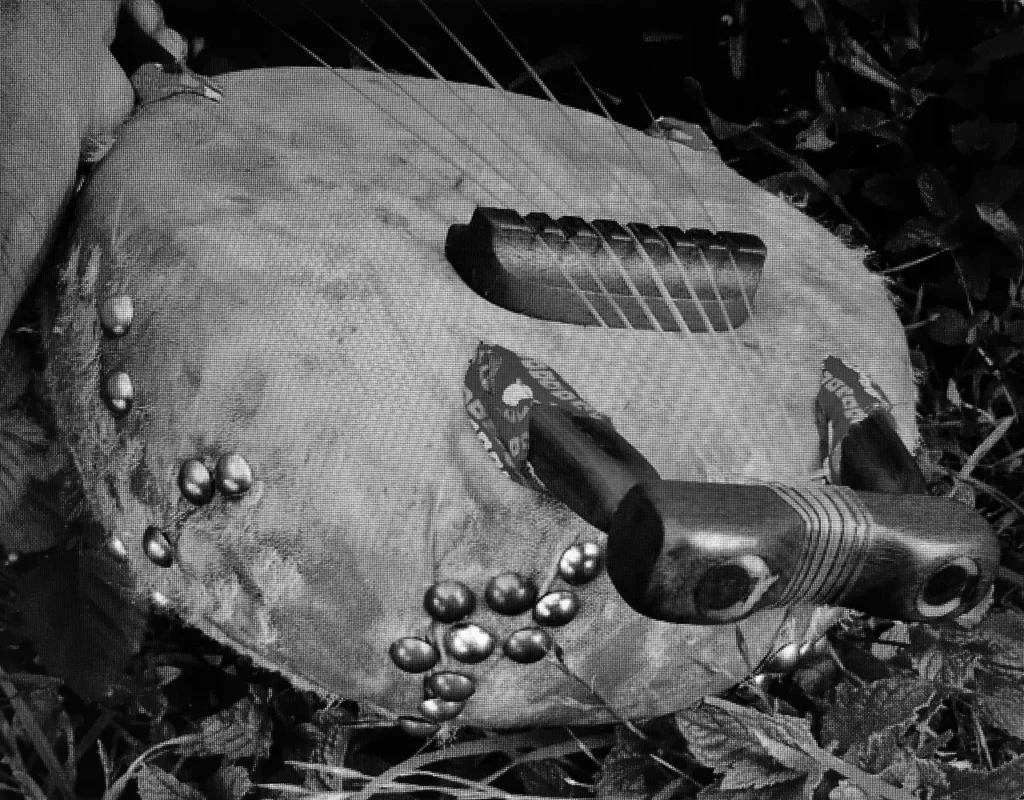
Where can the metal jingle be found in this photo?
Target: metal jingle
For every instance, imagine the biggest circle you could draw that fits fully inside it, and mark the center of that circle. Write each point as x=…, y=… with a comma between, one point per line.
x=159, y=599
x=556, y=608
x=419, y=728
x=195, y=482
x=510, y=593
x=528, y=645
x=157, y=548
x=452, y=686
x=116, y=314
x=785, y=660
x=580, y=563
x=234, y=475
x=412, y=654
x=468, y=643
x=119, y=392
x=449, y=601
x=116, y=549
x=437, y=710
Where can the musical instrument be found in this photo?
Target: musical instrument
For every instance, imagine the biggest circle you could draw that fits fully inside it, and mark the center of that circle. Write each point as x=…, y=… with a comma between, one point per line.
x=257, y=355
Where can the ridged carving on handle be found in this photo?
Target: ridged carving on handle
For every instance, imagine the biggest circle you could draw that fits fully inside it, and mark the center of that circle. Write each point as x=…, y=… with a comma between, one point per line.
x=838, y=527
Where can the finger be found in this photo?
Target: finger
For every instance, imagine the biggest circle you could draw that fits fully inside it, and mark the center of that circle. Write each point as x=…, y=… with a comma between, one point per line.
x=150, y=19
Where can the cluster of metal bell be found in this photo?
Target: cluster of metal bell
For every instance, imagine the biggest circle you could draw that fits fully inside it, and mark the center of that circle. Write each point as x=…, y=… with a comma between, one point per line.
x=231, y=475
x=510, y=594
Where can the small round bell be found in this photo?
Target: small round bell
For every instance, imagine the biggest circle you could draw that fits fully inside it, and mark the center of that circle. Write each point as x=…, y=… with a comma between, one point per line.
x=119, y=392
x=437, y=710
x=115, y=549
x=468, y=643
x=785, y=660
x=116, y=314
x=527, y=645
x=413, y=655
x=234, y=475
x=159, y=599
x=452, y=686
x=580, y=563
x=157, y=548
x=195, y=482
x=510, y=593
x=556, y=608
x=421, y=729
x=449, y=601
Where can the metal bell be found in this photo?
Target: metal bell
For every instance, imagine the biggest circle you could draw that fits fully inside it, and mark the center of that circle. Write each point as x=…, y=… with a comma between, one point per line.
x=449, y=601
x=412, y=654
x=437, y=710
x=116, y=314
x=234, y=475
x=580, y=563
x=556, y=608
x=119, y=392
x=452, y=686
x=159, y=599
x=527, y=645
x=510, y=593
x=157, y=548
x=419, y=728
x=195, y=482
x=468, y=643
x=785, y=660
x=116, y=549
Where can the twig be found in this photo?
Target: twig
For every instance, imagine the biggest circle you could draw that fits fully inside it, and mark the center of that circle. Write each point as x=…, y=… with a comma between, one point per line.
x=914, y=263
x=505, y=744
x=91, y=735
x=979, y=736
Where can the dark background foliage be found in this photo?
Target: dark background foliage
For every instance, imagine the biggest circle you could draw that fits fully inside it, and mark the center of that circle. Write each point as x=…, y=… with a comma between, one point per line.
x=896, y=123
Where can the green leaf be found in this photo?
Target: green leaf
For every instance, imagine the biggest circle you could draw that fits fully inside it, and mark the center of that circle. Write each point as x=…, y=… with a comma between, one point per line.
x=1005, y=45
x=976, y=267
x=859, y=711
x=1003, y=631
x=885, y=190
x=548, y=779
x=756, y=747
x=79, y=610
x=155, y=784
x=920, y=232
x=1001, y=703
x=791, y=790
x=995, y=184
x=241, y=731
x=888, y=754
x=230, y=782
x=948, y=327
x=626, y=771
x=815, y=137
x=1007, y=231
x=1002, y=783
x=982, y=135
x=938, y=195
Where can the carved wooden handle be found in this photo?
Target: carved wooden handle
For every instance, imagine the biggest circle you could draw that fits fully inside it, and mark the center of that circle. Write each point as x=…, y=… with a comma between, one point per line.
x=705, y=553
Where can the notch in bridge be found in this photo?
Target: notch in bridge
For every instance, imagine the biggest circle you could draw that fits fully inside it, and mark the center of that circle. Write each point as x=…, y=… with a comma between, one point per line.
x=603, y=273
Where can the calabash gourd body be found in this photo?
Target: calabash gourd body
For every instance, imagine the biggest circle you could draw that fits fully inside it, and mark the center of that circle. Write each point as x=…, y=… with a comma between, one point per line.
x=284, y=254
